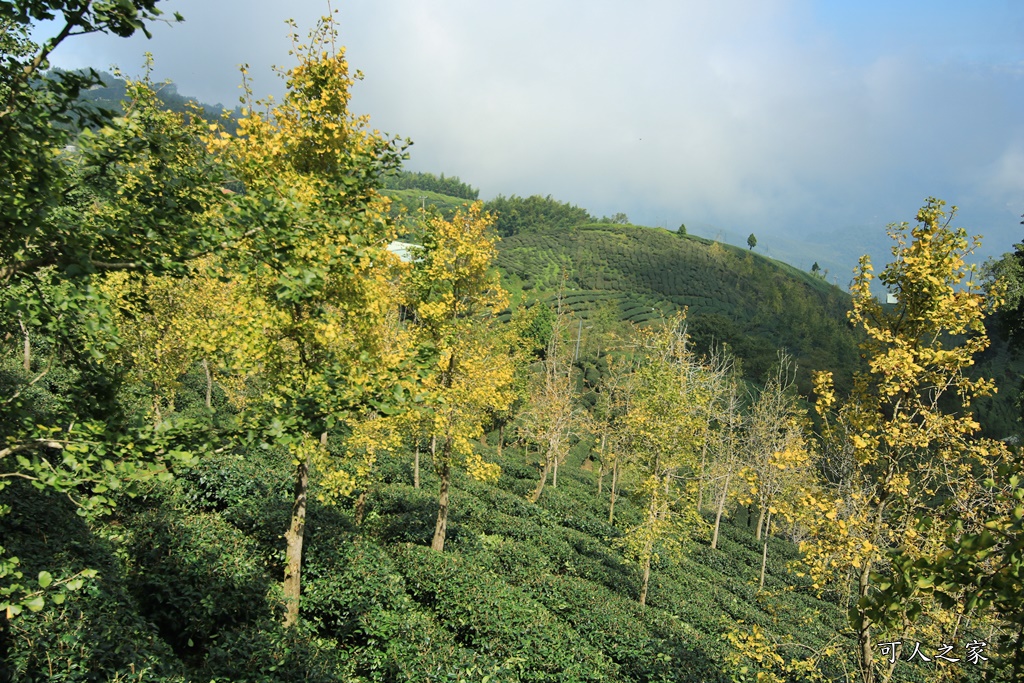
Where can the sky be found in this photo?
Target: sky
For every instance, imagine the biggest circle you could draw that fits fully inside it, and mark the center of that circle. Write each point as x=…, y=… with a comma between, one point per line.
x=811, y=124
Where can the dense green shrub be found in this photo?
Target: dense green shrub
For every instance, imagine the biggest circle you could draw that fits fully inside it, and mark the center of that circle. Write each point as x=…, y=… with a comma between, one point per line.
x=193, y=576
x=628, y=633
x=498, y=620
x=98, y=632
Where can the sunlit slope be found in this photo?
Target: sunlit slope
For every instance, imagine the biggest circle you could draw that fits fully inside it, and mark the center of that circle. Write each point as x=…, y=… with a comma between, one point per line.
x=754, y=304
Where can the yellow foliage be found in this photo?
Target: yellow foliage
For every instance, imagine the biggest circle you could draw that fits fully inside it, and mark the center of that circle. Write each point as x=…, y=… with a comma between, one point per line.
x=894, y=447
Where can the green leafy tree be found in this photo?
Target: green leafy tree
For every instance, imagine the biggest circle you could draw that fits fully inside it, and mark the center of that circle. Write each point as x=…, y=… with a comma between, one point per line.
x=516, y=214
x=751, y=241
x=660, y=435
x=1008, y=272
x=466, y=370
x=133, y=194
x=985, y=565
x=451, y=186
x=313, y=275
x=907, y=435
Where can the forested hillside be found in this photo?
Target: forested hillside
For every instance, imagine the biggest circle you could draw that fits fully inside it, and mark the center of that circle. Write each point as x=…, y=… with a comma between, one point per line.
x=241, y=440
x=751, y=304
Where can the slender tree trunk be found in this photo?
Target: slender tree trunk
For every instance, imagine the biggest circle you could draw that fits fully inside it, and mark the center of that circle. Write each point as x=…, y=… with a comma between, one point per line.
x=554, y=475
x=441, y=529
x=764, y=563
x=721, y=508
x=764, y=550
x=501, y=438
x=760, y=521
x=209, y=385
x=293, y=540
x=956, y=630
x=864, y=645
x=615, y=483
x=646, y=578
x=535, y=496
x=26, y=361
x=866, y=651
x=360, y=512
x=700, y=481
x=416, y=467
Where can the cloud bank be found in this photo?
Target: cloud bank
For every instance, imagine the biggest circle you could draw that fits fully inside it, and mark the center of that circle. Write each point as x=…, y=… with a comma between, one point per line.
x=779, y=117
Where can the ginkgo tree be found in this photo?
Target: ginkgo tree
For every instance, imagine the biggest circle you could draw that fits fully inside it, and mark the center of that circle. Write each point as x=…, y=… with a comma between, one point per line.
x=660, y=436
x=312, y=273
x=779, y=464
x=135, y=193
x=552, y=415
x=465, y=362
x=907, y=430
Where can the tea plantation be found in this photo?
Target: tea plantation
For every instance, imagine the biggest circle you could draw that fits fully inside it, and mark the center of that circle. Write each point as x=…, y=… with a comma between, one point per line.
x=189, y=585
x=753, y=304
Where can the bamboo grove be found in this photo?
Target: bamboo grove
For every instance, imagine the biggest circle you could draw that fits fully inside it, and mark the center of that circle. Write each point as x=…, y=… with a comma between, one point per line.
x=154, y=248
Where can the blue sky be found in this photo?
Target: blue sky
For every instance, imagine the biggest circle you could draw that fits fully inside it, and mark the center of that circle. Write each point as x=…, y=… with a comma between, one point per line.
x=811, y=124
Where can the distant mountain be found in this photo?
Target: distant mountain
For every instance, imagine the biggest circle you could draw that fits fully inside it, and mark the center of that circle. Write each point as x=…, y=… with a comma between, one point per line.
x=112, y=94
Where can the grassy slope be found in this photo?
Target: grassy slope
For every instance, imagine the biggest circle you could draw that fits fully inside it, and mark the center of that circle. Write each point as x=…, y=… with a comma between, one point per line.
x=754, y=304
x=406, y=203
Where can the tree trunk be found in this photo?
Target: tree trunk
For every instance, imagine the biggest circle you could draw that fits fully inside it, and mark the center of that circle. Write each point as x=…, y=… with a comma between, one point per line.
x=26, y=361
x=615, y=483
x=760, y=521
x=554, y=475
x=293, y=540
x=361, y=508
x=764, y=550
x=209, y=385
x=700, y=480
x=535, y=496
x=764, y=562
x=867, y=655
x=416, y=467
x=441, y=529
x=721, y=507
x=646, y=578
x=501, y=438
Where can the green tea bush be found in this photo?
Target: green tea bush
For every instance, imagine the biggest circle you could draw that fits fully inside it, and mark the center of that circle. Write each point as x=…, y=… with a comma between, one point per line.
x=499, y=621
x=193, y=576
x=98, y=632
x=624, y=631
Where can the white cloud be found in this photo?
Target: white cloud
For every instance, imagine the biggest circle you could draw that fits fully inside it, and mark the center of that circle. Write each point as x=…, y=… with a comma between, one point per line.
x=743, y=113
